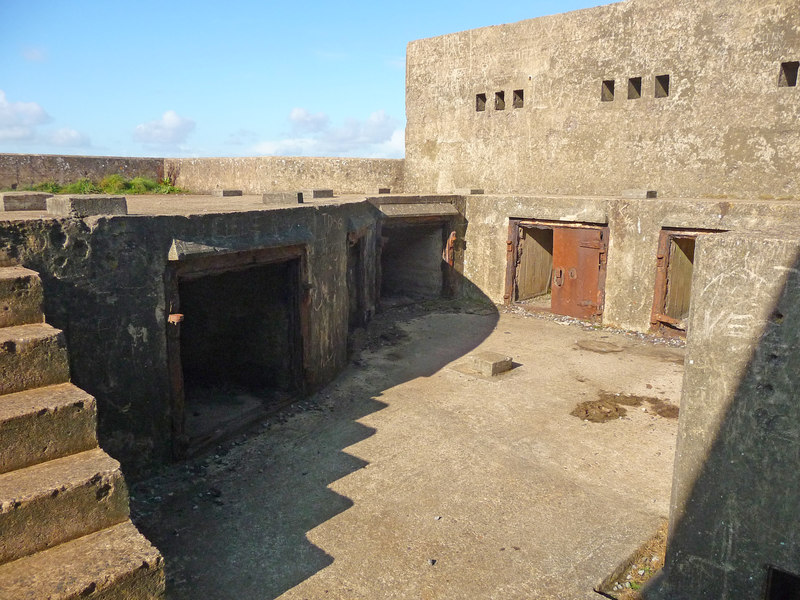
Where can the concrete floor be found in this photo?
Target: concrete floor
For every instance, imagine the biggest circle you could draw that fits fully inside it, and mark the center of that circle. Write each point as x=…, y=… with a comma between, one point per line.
x=409, y=477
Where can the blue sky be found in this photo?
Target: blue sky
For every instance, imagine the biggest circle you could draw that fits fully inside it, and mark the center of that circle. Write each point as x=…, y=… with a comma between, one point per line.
x=235, y=78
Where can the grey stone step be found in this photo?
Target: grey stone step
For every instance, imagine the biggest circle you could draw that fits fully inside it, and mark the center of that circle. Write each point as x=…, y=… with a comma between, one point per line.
x=45, y=423
x=20, y=296
x=112, y=564
x=32, y=356
x=60, y=500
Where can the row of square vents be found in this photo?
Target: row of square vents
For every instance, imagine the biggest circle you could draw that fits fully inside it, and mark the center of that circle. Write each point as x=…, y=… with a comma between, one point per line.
x=786, y=78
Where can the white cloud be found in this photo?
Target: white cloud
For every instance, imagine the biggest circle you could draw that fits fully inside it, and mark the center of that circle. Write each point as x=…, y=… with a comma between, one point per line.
x=34, y=54
x=171, y=129
x=69, y=138
x=376, y=136
x=302, y=120
x=19, y=120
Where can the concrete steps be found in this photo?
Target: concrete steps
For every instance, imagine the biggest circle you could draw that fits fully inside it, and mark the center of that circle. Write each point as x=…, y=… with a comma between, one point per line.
x=45, y=423
x=116, y=563
x=64, y=527
x=31, y=356
x=20, y=297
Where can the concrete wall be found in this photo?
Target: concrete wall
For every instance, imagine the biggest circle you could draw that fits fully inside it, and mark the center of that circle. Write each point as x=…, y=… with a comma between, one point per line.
x=634, y=228
x=736, y=484
x=726, y=129
x=278, y=173
x=104, y=286
x=27, y=169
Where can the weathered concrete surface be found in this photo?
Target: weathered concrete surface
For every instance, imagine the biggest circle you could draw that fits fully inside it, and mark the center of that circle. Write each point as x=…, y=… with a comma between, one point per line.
x=86, y=205
x=721, y=131
x=734, y=507
x=59, y=500
x=634, y=227
x=405, y=459
x=28, y=169
x=256, y=175
x=20, y=297
x=45, y=423
x=491, y=363
x=31, y=356
x=23, y=201
x=103, y=279
x=117, y=563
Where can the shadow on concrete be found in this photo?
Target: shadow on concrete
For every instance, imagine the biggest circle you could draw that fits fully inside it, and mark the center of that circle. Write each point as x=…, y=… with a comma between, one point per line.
x=235, y=523
x=736, y=488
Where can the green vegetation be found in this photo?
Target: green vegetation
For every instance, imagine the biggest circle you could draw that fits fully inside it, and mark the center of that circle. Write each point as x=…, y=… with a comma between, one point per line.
x=110, y=184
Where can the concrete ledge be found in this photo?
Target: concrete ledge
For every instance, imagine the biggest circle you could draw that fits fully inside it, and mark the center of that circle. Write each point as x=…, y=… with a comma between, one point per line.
x=23, y=201
x=306, y=195
x=87, y=205
x=469, y=191
x=280, y=198
x=226, y=193
x=491, y=363
x=639, y=194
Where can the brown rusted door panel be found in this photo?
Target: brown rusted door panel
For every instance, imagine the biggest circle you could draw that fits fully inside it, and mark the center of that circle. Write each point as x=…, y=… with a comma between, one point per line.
x=578, y=260
x=534, y=262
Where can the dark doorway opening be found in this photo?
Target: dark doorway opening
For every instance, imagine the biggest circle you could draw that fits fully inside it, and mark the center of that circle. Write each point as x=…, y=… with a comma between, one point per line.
x=411, y=260
x=235, y=344
x=782, y=585
x=356, y=285
x=557, y=267
x=673, y=290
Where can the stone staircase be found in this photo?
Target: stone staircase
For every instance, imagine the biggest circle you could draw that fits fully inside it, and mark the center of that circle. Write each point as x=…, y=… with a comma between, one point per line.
x=65, y=530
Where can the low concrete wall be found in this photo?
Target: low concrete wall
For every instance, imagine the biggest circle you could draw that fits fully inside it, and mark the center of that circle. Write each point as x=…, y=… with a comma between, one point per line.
x=734, y=507
x=27, y=169
x=634, y=228
x=255, y=175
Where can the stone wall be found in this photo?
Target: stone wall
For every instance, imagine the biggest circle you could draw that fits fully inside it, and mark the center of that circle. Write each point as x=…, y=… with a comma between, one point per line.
x=734, y=508
x=725, y=129
x=634, y=228
x=256, y=175
x=26, y=169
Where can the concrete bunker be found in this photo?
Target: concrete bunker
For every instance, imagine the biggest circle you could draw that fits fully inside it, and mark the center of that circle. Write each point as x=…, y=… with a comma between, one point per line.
x=558, y=267
x=235, y=341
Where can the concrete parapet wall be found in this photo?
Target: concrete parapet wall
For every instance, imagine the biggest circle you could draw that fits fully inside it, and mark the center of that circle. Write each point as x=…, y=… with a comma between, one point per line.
x=734, y=508
x=26, y=169
x=256, y=175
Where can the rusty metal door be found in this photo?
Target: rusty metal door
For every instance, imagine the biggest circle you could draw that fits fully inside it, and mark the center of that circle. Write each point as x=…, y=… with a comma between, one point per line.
x=579, y=259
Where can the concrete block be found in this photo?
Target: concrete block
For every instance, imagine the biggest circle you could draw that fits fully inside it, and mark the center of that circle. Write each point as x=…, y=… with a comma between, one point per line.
x=87, y=205
x=23, y=201
x=59, y=500
x=306, y=195
x=57, y=421
x=114, y=563
x=491, y=363
x=21, y=297
x=469, y=191
x=225, y=193
x=32, y=356
x=280, y=198
x=639, y=194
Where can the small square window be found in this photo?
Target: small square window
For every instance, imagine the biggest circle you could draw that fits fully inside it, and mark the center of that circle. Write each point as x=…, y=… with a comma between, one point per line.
x=662, y=86
x=788, y=75
x=781, y=585
x=519, y=99
x=634, y=88
x=499, y=101
x=607, y=91
x=480, y=102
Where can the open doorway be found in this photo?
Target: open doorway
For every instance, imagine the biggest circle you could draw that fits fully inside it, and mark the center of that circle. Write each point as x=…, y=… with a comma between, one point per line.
x=234, y=344
x=557, y=267
x=674, y=270
x=412, y=267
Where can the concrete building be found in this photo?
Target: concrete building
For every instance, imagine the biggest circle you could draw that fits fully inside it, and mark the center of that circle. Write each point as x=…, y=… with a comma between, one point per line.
x=633, y=164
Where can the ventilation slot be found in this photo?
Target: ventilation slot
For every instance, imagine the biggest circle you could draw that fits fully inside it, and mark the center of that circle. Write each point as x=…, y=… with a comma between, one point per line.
x=519, y=98
x=662, y=86
x=499, y=101
x=634, y=88
x=607, y=91
x=480, y=102
x=788, y=76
